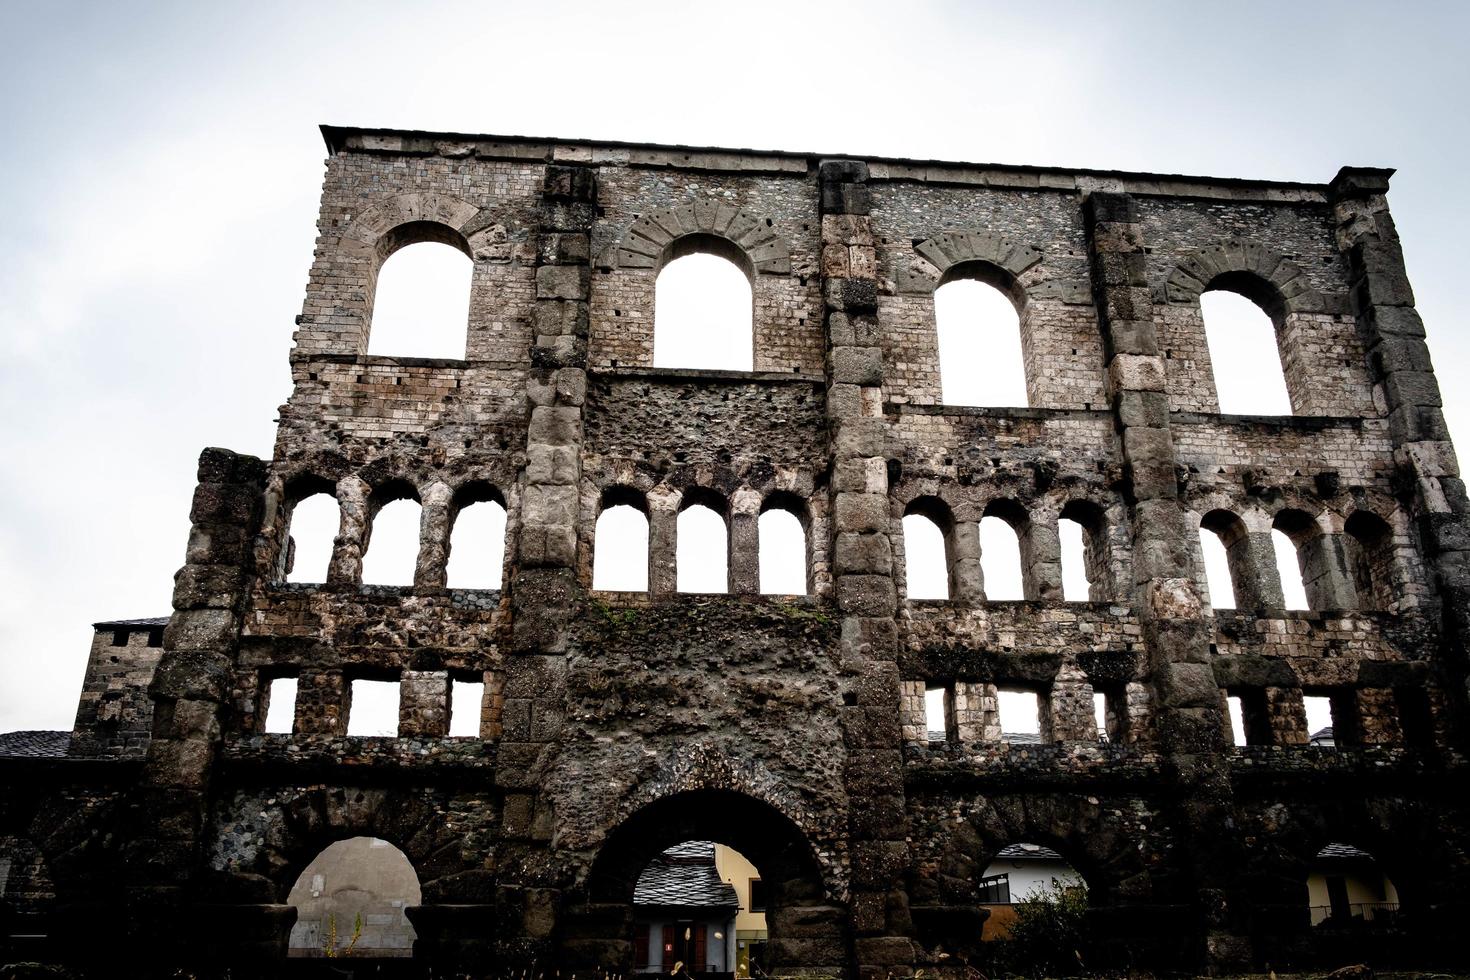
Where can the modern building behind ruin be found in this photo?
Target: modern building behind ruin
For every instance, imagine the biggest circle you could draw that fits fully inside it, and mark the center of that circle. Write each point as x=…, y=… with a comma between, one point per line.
x=614, y=725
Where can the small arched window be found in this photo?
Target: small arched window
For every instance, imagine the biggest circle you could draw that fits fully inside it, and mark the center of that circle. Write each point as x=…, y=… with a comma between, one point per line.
x=421, y=299
x=783, y=547
x=1292, y=536
x=702, y=549
x=928, y=564
x=1244, y=354
x=703, y=307
x=477, y=543
x=1083, y=532
x=1000, y=551
x=1225, y=548
x=1369, y=545
x=981, y=361
x=311, y=532
x=620, y=543
x=391, y=548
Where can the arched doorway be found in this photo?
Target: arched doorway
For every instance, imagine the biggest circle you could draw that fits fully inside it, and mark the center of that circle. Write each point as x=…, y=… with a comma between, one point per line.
x=351, y=901
x=805, y=928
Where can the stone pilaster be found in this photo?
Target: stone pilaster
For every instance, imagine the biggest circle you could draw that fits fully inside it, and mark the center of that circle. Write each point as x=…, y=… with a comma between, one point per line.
x=1166, y=597
x=1393, y=335
x=862, y=572
x=190, y=691
x=544, y=590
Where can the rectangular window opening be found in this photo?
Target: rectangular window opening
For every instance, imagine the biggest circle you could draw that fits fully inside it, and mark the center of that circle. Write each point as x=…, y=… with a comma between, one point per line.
x=1320, y=728
x=995, y=890
x=936, y=714
x=280, y=714
x=1237, y=721
x=119, y=638
x=1416, y=720
x=374, y=709
x=757, y=895
x=1020, y=715
x=465, y=698
x=1250, y=720
x=155, y=637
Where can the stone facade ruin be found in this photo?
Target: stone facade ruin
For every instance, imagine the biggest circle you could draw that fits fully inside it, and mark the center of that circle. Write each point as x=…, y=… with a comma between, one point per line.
x=792, y=728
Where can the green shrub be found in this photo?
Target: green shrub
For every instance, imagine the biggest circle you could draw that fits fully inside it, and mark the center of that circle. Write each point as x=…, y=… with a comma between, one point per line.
x=1049, y=933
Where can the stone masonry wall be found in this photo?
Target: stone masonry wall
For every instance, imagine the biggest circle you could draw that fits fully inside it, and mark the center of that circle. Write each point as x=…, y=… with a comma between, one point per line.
x=793, y=727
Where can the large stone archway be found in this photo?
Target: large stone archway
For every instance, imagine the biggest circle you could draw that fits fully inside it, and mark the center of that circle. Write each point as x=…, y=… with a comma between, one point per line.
x=806, y=922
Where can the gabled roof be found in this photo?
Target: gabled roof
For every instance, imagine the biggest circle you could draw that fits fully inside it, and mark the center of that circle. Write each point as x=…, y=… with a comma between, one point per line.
x=1344, y=851
x=34, y=744
x=685, y=876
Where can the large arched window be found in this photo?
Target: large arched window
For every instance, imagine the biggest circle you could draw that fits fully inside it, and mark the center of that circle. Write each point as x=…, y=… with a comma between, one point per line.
x=477, y=544
x=351, y=901
x=1244, y=355
x=421, y=301
x=703, y=315
x=390, y=552
x=783, y=547
x=311, y=531
x=981, y=361
x=620, y=543
x=702, y=549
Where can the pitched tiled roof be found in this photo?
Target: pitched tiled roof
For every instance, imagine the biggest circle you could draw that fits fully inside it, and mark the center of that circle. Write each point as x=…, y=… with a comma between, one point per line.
x=131, y=623
x=1034, y=852
x=34, y=744
x=685, y=875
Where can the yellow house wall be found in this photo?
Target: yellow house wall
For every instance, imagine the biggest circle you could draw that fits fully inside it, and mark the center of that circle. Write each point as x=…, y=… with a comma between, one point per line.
x=735, y=869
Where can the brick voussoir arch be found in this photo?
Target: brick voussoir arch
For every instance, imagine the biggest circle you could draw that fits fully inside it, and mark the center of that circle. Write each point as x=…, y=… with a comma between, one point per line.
x=645, y=244
x=952, y=248
x=1294, y=293
x=370, y=227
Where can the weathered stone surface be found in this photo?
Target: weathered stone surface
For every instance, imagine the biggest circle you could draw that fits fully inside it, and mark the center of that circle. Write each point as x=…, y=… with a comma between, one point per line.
x=796, y=728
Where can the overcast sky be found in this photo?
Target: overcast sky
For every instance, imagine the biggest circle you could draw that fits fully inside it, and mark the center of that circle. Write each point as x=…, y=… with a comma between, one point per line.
x=162, y=167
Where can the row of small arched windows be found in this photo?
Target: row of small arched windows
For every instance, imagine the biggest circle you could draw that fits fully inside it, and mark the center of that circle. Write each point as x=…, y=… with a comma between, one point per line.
x=1297, y=564
x=704, y=319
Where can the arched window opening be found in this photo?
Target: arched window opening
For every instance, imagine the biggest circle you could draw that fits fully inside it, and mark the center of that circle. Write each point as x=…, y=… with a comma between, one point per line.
x=477, y=544
x=702, y=550
x=351, y=901
x=372, y=709
x=783, y=551
x=1347, y=891
x=980, y=357
x=280, y=706
x=1288, y=567
x=620, y=544
x=1022, y=716
x=390, y=553
x=701, y=904
x=704, y=307
x=1368, y=541
x=1225, y=548
x=421, y=306
x=1243, y=353
x=926, y=563
x=937, y=702
x=1028, y=872
x=466, y=698
x=311, y=534
x=1083, y=534
x=1000, y=558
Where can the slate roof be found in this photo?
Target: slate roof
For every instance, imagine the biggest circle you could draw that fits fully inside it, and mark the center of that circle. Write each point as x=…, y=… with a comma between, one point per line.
x=34, y=744
x=1322, y=736
x=1033, y=852
x=1344, y=851
x=131, y=623
x=685, y=876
